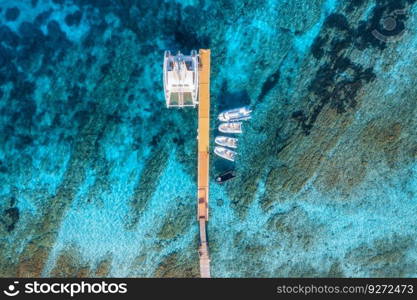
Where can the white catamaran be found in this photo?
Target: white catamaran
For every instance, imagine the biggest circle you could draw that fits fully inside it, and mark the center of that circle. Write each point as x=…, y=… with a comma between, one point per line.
x=181, y=79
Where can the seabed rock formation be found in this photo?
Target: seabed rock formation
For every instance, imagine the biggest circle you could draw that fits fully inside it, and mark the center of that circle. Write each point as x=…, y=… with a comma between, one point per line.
x=98, y=177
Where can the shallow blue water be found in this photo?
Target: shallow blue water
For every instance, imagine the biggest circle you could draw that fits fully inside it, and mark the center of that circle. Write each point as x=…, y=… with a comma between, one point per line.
x=91, y=159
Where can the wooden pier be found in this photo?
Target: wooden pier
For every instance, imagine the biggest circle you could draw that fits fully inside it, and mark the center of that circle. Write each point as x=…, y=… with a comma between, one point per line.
x=203, y=158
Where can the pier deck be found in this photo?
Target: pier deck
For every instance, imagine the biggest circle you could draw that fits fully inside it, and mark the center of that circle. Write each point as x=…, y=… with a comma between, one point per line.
x=203, y=158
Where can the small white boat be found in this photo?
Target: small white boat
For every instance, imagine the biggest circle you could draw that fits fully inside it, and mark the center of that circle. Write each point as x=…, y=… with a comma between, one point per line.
x=237, y=114
x=233, y=127
x=226, y=141
x=225, y=153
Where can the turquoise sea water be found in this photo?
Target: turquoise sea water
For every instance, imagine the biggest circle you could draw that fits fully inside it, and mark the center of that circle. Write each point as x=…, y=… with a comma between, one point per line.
x=95, y=170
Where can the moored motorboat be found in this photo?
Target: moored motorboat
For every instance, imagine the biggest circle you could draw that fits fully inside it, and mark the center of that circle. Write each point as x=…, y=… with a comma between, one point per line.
x=226, y=141
x=225, y=176
x=232, y=127
x=225, y=153
x=236, y=114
